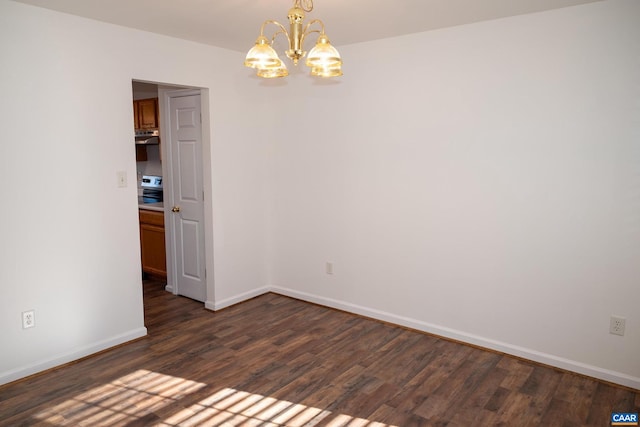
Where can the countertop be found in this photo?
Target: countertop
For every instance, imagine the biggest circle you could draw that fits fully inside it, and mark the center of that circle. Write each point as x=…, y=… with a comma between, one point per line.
x=158, y=207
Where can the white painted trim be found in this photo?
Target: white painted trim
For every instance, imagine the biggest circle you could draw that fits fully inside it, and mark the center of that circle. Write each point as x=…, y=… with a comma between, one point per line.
x=169, y=232
x=217, y=305
x=525, y=353
x=207, y=180
x=16, y=374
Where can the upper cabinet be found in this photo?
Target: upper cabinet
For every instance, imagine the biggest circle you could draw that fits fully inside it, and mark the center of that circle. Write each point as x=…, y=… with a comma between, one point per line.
x=145, y=113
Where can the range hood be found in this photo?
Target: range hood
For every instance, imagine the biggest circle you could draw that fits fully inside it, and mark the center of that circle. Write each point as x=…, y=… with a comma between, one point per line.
x=147, y=137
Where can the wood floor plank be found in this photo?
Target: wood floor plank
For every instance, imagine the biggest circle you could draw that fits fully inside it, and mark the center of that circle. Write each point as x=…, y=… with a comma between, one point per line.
x=275, y=361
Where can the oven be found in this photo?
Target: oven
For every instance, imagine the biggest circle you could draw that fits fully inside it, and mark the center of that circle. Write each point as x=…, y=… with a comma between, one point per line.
x=151, y=189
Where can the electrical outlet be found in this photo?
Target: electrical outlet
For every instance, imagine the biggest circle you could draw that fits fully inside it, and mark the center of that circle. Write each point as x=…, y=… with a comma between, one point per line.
x=617, y=325
x=28, y=319
x=328, y=268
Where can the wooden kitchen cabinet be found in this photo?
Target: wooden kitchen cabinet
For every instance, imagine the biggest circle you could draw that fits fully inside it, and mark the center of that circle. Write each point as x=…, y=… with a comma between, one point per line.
x=154, y=257
x=141, y=153
x=145, y=113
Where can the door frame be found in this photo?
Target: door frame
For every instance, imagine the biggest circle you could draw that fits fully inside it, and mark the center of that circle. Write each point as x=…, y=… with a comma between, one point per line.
x=164, y=93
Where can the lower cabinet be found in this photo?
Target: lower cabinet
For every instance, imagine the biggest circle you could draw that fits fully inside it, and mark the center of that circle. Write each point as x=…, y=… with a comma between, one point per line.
x=154, y=257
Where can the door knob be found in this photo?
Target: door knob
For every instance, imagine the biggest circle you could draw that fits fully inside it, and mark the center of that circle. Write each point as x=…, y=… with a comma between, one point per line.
x=175, y=209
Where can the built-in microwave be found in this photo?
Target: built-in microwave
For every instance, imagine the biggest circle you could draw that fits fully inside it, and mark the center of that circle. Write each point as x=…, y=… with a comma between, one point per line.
x=147, y=137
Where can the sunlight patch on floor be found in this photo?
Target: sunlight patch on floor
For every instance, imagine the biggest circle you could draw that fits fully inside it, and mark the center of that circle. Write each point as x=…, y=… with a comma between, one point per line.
x=124, y=400
x=232, y=408
x=148, y=394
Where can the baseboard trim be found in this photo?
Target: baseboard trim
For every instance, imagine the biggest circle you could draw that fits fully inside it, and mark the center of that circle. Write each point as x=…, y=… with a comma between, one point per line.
x=218, y=305
x=525, y=353
x=20, y=373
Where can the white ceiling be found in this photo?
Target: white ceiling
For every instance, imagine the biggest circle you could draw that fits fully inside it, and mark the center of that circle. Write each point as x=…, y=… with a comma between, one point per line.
x=235, y=24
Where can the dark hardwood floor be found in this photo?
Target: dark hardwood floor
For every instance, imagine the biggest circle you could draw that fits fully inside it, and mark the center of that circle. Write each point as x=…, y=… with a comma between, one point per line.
x=275, y=361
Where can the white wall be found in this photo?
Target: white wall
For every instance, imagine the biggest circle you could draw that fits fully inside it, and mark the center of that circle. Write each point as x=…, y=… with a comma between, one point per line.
x=70, y=242
x=486, y=191
x=481, y=182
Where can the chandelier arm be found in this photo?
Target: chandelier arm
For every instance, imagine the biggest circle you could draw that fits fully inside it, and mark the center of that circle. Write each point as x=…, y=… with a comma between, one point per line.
x=273, y=38
x=314, y=21
x=304, y=36
x=282, y=30
x=307, y=30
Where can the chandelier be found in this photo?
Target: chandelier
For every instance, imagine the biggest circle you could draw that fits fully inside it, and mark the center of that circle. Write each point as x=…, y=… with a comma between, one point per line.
x=324, y=60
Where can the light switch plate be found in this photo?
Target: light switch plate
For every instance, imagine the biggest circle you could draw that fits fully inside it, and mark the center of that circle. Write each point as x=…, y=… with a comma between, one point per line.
x=122, y=178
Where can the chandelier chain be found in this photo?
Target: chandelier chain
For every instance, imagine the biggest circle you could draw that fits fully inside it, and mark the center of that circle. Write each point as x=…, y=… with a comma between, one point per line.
x=306, y=5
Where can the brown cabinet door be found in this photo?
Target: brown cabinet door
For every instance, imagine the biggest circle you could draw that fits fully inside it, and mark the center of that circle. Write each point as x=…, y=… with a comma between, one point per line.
x=154, y=259
x=147, y=113
x=136, y=120
x=152, y=246
x=141, y=153
x=151, y=217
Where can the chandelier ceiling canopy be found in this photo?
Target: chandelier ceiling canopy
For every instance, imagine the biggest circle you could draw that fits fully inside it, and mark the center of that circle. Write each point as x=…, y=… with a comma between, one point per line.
x=324, y=59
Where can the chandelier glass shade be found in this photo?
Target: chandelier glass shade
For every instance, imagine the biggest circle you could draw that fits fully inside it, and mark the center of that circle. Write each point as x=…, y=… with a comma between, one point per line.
x=269, y=73
x=262, y=55
x=324, y=59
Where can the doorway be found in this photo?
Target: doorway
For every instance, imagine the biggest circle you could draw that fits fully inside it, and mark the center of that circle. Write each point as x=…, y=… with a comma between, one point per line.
x=178, y=159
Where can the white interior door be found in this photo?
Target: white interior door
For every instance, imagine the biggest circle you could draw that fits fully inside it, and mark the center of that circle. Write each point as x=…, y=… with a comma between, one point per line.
x=187, y=195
